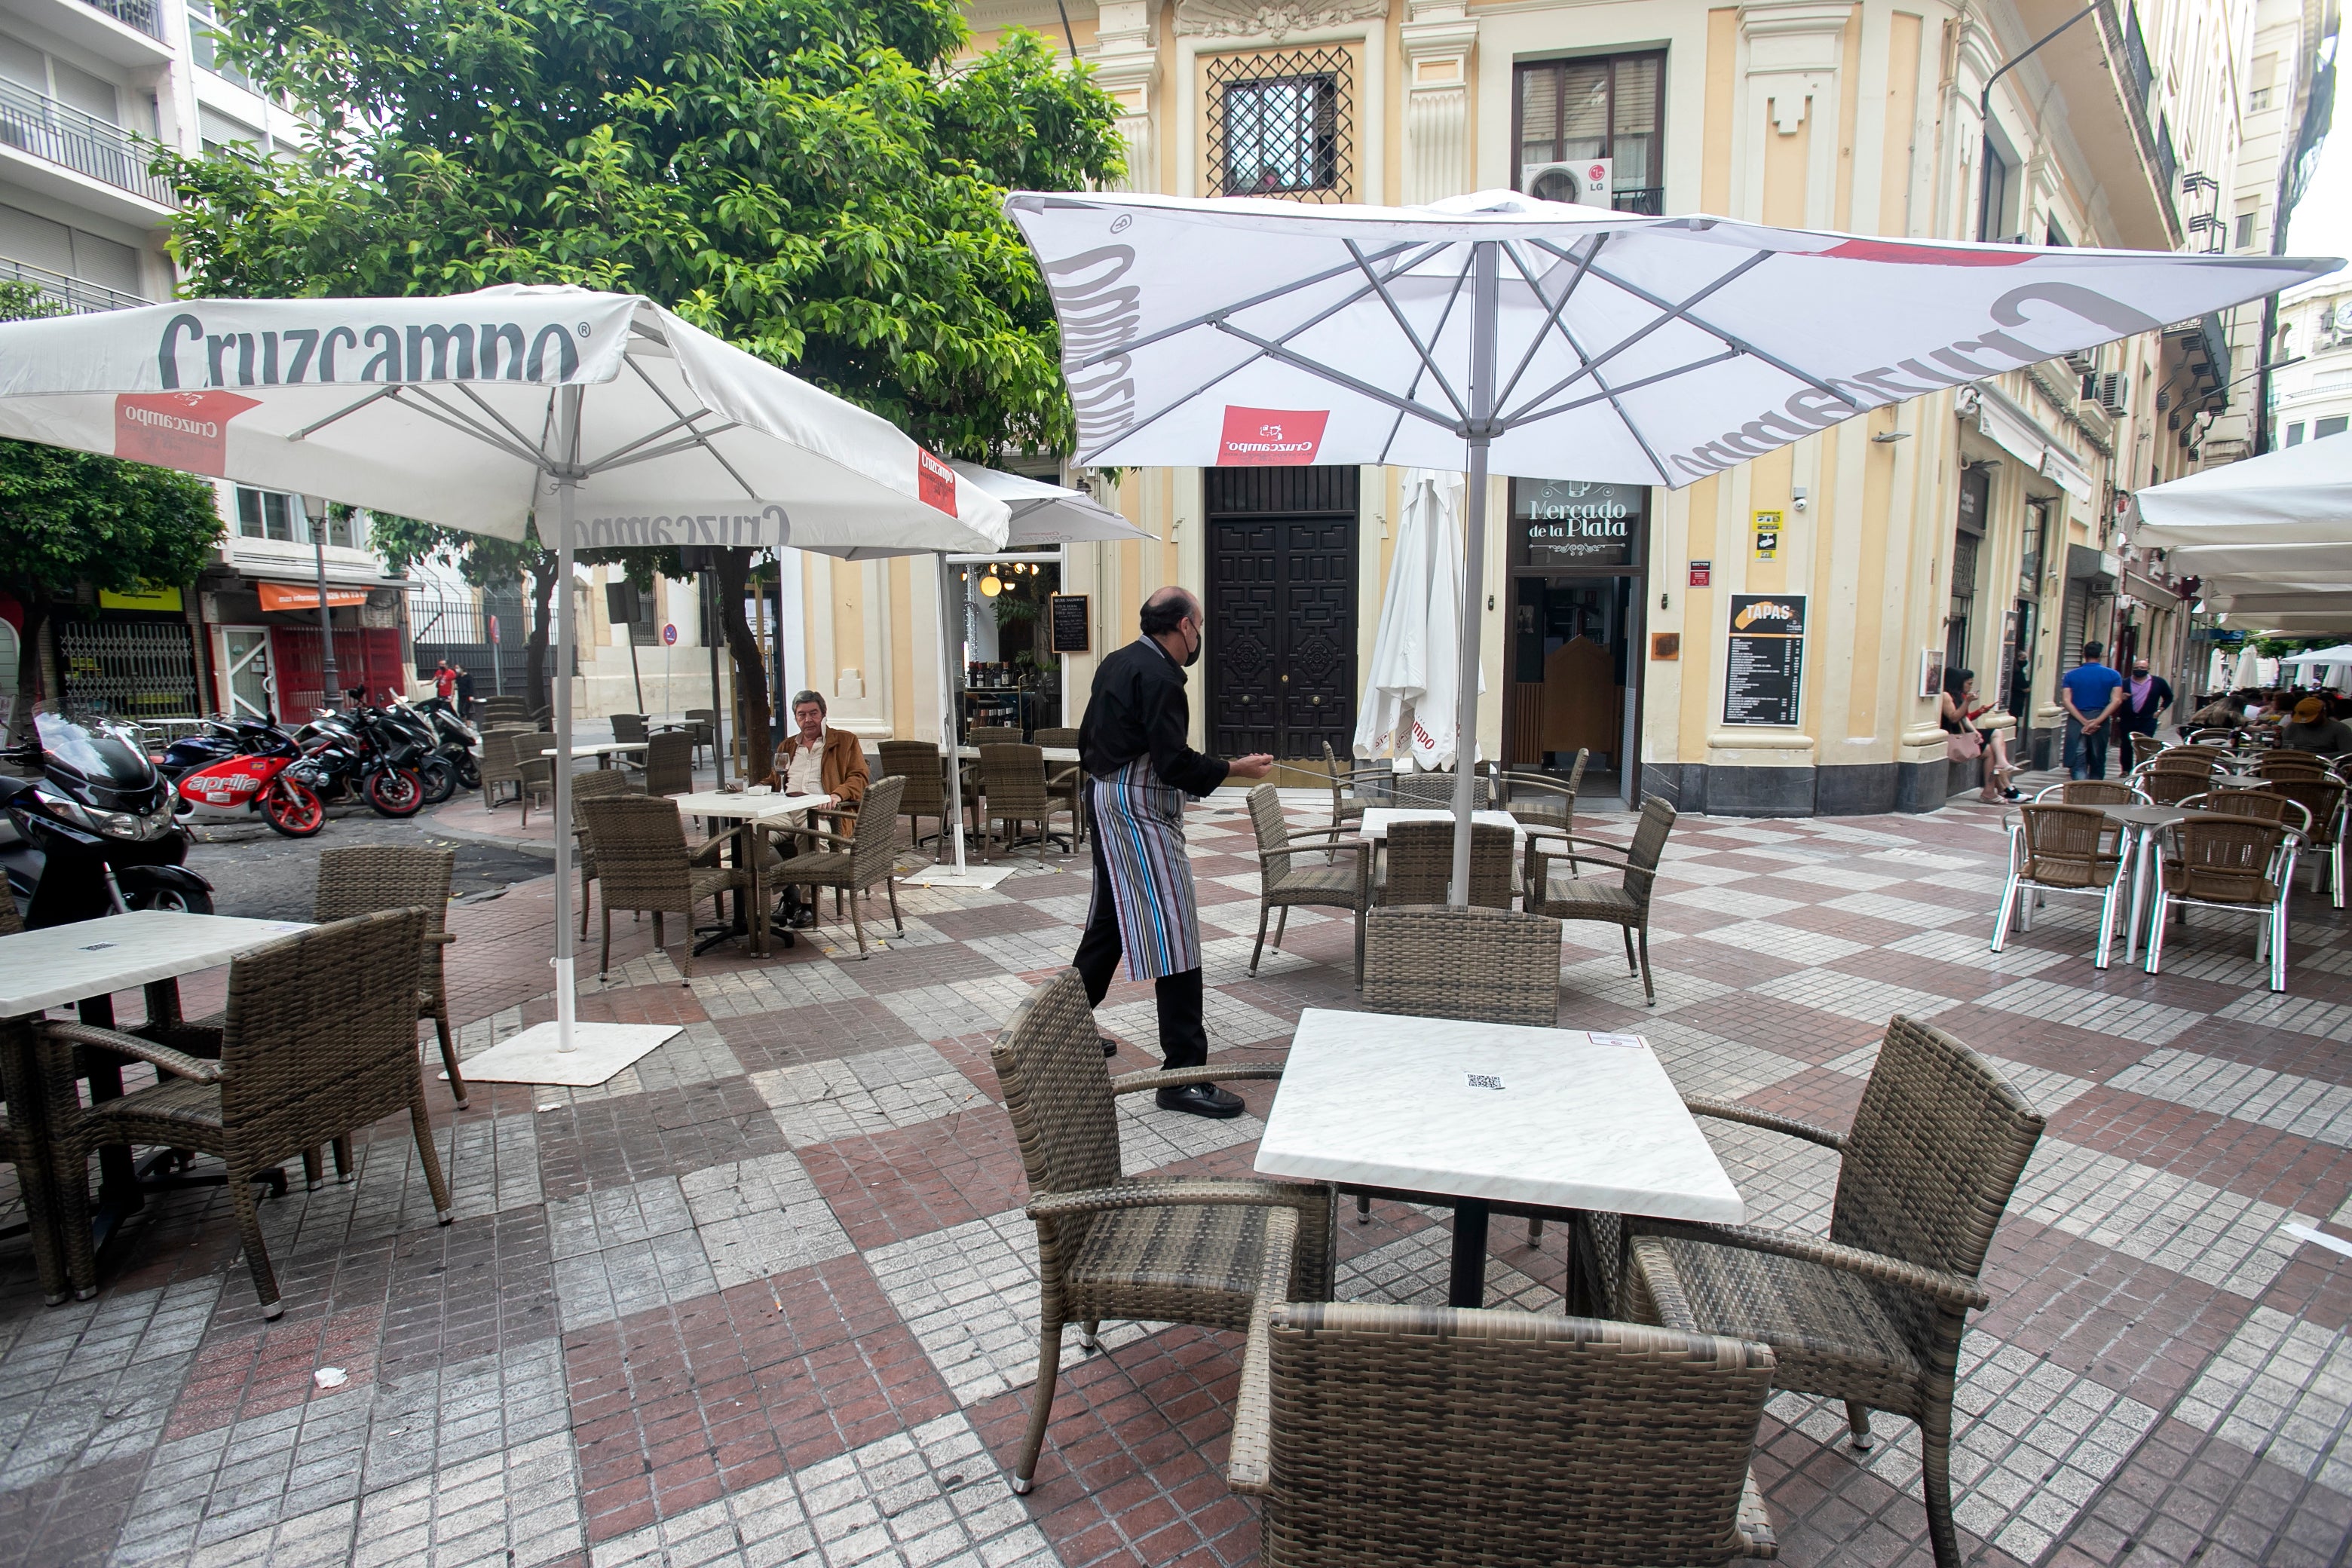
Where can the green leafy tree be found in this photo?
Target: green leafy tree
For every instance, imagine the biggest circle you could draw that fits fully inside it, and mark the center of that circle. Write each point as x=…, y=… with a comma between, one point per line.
x=70, y=520
x=486, y=563
x=816, y=181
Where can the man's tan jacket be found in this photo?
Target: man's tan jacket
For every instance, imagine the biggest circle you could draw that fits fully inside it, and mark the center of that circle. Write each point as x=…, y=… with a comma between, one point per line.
x=841, y=769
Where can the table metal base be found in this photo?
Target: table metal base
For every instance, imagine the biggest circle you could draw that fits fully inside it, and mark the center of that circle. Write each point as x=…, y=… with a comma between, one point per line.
x=1466, y=1283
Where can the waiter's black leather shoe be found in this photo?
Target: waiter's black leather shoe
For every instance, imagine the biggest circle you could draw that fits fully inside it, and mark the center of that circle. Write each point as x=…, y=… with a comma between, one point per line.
x=1200, y=1100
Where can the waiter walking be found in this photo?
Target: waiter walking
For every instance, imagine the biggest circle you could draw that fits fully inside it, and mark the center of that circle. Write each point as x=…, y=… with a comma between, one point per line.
x=1135, y=746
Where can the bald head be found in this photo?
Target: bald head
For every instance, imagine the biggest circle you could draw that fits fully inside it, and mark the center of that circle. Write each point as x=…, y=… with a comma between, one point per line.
x=1167, y=609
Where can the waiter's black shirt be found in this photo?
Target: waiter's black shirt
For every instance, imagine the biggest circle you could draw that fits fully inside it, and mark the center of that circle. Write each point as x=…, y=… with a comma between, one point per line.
x=1138, y=708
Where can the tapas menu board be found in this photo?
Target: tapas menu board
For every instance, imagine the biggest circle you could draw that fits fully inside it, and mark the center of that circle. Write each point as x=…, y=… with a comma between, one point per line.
x=1069, y=623
x=1764, y=680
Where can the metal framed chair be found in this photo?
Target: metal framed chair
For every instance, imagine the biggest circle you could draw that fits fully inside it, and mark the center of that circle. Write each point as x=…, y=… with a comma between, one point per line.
x=850, y=864
x=2170, y=786
x=2325, y=799
x=503, y=710
x=1283, y=884
x=2143, y=748
x=498, y=764
x=318, y=1041
x=535, y=775
x=2265, y=804
x=1626, y=905
x=2242, y=864
x=1874, y=1314
x=702, y=724
x=630, y=730
x=1013, y=783
x=670, y=763
x=1418, y=865
x=2074, y=849
x=1193, y=1249
x=1387, y=1435
x=642, y=863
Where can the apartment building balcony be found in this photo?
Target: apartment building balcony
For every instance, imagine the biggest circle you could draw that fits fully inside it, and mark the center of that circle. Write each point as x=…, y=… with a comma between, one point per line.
x=99, y=166
x=128, y=32
x=2113, y=111
x=80, y=296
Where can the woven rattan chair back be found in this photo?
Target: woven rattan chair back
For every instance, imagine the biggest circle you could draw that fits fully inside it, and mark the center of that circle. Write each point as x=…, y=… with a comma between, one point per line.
x=503, y=710
x=629, y=728
x=1013, y=777
x=2144, y=747
x=1049, y=1062
x=917, y=763
x=497, y=760
x=2320, y=797
x=1611, y=1443
x=1647, y=849
x=1935, y=1153
x=993, y=735
x=2165, y=786
x=1266, y=821
x=2067, y=845
x=362, y=878
x=1491, y=966
x=319, y=1037
x=2268, y=769
x=2293, y=755
x=874, y=838
x=639, y=842
x=2096, y=791
x=599, y=784
x=1420, y=864
x=2265, y=804
x=2223, y=859
x=1425, y=790
x=1057, y=735
x=11, y=922
x=2184, y=760
x=669, y=763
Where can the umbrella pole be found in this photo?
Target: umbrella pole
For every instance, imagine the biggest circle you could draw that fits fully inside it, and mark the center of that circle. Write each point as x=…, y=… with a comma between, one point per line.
x=948, y=640
x=1486, y=270
x=567, y=483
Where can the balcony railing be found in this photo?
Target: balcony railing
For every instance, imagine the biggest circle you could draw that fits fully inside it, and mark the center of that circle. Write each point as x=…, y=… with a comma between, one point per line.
x=78, y=295
x=143, y=15
x=1644, y=201
x=42, y=126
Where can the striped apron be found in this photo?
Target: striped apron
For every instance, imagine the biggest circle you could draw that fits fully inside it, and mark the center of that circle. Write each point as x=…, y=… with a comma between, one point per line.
x=1139, y=823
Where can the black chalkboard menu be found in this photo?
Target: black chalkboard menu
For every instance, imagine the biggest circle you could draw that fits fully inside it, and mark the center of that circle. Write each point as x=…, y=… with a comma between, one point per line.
x=1069, y=613
x=1764, y=683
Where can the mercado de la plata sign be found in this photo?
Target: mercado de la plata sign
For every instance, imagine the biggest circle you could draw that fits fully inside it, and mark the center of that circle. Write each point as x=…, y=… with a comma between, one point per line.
x=1566, y=523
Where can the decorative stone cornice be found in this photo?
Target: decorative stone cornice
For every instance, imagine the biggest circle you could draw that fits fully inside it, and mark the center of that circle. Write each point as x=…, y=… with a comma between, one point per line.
x=1276, y=19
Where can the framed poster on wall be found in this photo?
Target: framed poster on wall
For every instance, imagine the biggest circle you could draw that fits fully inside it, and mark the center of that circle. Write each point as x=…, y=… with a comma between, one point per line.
x=1931, y=671
x=1764, y=675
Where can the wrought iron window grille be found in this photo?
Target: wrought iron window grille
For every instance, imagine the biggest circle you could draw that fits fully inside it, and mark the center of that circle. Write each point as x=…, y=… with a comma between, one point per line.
x=1283, y=125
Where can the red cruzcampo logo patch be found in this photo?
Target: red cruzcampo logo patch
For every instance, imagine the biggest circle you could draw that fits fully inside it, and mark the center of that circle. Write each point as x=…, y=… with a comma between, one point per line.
x=935, y=482
x=1271, y=438
x=182, y=430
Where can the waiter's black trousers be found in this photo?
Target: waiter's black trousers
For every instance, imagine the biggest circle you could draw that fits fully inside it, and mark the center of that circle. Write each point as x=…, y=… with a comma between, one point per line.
x=1183, y=1039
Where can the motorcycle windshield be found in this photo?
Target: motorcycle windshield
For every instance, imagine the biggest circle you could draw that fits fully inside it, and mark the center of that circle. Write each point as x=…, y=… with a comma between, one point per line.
x=110, y=761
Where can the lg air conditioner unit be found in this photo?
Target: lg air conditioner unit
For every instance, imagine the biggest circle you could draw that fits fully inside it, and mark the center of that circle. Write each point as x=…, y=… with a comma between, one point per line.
x=1584, y=181
x=2112, y=394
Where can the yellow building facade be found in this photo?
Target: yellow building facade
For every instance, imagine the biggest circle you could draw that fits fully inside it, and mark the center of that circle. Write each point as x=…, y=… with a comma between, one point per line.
x=1973, y=525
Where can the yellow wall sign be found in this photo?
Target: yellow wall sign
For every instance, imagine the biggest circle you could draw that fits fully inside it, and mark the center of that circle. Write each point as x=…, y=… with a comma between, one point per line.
x=1767, y=536
x=150, y=596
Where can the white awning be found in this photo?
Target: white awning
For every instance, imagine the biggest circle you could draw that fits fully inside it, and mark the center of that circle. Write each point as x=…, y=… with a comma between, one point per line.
x=2066, y=471
x=2014, y=430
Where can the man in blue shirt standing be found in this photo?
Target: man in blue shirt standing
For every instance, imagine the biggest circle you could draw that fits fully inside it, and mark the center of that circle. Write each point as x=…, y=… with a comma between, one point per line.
x=2091, y=693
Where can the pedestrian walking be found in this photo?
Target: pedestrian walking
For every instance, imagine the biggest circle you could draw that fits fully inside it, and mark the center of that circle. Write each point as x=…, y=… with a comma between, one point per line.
x=463, y=684
x=2091, y=693
x=1140, y=764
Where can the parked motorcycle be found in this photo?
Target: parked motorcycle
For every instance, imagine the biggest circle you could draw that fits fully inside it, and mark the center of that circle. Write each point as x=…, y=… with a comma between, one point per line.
x=435, y=770
x=95, y=834
x=454, y=739
x=361, y=753
x=243, y=767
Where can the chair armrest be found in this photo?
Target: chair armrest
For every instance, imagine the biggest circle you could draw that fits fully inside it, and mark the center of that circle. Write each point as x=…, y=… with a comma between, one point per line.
x=1700, y=1105
x=1312, y=842
x=1620, y=860
x=1249, y=1459
x=1180, y=1192
x=712, y=846
x=439, y=939
x=1944, y=1289
x=162, y=1058
x=1180, y=1078
x=813, y=835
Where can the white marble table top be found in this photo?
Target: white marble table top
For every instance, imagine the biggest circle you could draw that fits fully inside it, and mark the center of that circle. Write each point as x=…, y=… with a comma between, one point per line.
x=1554, y=1117
x=742, y=805
x=1053, y=753
x=1377, y=818
x=602, y=748
x=91, y=958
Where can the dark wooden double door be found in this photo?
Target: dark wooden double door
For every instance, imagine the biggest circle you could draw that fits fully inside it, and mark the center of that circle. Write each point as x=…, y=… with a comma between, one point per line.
x=1281, y=552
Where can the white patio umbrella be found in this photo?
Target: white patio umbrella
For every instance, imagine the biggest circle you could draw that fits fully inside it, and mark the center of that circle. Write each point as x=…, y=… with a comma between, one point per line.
x=1411, y=697
x=1498, y=334
x=1040, y=515
x=604, y=414
x=2340, y=654
x=2297, y=497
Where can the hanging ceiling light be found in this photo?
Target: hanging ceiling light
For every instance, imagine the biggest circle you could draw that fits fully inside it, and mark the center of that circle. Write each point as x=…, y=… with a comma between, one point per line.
x=991, y=587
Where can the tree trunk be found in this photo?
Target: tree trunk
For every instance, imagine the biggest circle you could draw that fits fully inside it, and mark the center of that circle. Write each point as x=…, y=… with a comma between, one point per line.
x=542, y=597
x=36, y=606
x=750, y=669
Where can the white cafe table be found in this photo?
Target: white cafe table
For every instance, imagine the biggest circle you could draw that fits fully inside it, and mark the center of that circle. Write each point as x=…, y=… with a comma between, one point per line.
x=2141, y=823
x=1378, y=819
x=601, y=750
x=1550, y=1124
x=86, y=962
x=1053, y=753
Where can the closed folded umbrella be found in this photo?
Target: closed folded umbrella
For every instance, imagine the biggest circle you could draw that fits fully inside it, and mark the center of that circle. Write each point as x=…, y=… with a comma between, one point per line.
x=1409, y=709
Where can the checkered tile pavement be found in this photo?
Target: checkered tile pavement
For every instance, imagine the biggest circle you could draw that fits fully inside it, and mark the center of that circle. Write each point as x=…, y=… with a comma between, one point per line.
x=768, y=1295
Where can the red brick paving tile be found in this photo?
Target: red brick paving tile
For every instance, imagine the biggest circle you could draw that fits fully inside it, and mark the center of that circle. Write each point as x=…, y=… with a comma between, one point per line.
x=887, y=1186
x=2241, y=1156
x=1816, y=1096
x=2040, y=1042
x=1827, y=1511
x=817, y=1032
x=676, y=1404
x=1803, y=1033
x=71, y=1520
x=602, y=1143
x=905, y=968
x=255, y=1374
x=2316, y=1285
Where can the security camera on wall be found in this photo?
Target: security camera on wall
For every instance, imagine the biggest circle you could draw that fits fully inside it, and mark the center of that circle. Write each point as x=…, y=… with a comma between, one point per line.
x=1582, y=182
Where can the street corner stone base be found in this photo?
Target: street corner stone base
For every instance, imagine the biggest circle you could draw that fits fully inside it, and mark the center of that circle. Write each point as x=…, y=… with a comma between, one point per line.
x=1862, y=789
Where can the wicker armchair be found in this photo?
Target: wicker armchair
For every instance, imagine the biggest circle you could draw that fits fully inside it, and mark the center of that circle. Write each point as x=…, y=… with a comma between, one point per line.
x=497, y=763
x=1159, y=1248
x=631, y=730
x=1386, y=1437
x=1542, y=801
x=317, y=1042
x=702, y=727
x=670, y=763
x=1348, y=807
x=2073, y=849
x=642, y=863
x=1283, y=884
x=1418, y=868
x=1873, y=1315
x=599, y=784
x=2237, y=863
x=2143, y=748
x=534, y=773
x=1626, y=905
x=2170, y=786
x=2092, y=792
x=1437, y=790
x=851, y=865
x=1066, y=780
x=926, y=791
x=2324, y=798
x=2264, y=804
x=365, y=878
x=1013, y=783
x=503, y=710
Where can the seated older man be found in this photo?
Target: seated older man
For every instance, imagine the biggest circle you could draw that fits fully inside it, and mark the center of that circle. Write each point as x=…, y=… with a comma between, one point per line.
x=817, y=759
